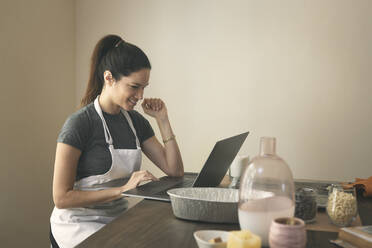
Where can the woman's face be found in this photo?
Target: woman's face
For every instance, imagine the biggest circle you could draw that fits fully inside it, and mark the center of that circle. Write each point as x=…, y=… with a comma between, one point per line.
x=129, y=89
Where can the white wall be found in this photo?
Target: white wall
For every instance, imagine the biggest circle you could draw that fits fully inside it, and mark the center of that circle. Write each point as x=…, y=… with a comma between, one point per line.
x=37, y=51
x=296, y=70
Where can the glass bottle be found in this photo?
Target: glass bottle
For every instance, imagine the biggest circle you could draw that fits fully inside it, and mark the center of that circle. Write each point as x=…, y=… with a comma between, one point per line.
x=266, y=191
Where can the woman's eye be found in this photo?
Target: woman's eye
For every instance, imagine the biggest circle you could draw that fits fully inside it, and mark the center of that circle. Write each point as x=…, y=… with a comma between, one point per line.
x=134, y=86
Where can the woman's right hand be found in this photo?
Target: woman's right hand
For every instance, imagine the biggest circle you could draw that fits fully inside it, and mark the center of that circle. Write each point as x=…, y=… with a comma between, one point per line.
x=138, y=177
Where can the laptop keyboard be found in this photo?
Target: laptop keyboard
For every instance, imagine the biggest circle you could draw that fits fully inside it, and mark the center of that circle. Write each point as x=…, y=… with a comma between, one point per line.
x=157, y=186
x=164, y=184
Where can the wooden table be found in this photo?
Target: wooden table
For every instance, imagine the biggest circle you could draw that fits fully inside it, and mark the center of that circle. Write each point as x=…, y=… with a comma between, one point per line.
x=152, y=224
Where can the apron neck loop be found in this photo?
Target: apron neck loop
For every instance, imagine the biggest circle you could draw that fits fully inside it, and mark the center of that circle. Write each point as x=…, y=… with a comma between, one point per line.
x=105, y=127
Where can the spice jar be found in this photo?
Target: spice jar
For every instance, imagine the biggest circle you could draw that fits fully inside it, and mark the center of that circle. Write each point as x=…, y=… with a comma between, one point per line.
x=306, y=206
x=342, y=205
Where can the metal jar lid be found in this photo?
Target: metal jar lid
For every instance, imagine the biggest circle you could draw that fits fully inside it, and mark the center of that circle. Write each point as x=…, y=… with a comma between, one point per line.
x=305, y=192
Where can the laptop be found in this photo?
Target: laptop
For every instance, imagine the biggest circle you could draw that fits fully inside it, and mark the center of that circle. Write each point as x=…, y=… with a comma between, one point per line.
x=211, y=175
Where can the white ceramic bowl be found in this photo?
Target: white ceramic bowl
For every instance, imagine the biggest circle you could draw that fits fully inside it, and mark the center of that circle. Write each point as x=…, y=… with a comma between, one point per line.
x=203, y=236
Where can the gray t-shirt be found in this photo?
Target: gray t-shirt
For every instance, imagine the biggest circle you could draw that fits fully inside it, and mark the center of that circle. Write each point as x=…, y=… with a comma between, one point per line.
x=84, y=130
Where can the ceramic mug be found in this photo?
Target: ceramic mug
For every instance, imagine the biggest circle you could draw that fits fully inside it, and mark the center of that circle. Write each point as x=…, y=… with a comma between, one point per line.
x=236, y=170
x=287, y=233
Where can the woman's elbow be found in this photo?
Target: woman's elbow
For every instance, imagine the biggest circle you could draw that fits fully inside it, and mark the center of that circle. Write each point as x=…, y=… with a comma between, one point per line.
x=177, y=173
x=60, y=202
x=181, y=173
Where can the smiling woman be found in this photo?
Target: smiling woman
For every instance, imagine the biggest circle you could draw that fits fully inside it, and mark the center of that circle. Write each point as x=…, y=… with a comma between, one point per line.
x=100, y=146
x=124, y=93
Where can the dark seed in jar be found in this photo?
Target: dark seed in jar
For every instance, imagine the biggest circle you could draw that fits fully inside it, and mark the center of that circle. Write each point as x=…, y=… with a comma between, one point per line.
x=306, y=204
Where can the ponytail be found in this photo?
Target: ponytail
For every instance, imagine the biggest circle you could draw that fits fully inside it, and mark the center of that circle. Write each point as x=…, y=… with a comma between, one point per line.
x=112, y=53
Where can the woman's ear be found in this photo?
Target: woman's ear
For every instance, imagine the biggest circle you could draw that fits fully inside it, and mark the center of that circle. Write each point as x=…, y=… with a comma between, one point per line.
x=107, y=76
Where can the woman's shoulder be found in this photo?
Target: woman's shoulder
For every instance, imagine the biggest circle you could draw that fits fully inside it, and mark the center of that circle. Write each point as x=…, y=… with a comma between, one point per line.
x=78, y=128
x=83, y=116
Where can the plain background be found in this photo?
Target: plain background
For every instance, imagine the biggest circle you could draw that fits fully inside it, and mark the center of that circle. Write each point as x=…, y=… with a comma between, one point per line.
x=296, y=70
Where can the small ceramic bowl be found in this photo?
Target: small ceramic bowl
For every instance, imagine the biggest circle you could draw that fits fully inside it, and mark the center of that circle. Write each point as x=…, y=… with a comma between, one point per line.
x=202, y=238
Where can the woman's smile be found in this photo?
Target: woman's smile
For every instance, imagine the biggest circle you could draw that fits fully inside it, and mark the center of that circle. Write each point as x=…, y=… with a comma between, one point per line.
x=133, y=102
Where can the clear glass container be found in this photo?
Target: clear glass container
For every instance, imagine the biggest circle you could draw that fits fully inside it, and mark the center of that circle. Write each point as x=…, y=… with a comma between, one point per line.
x=342, y=205
x=266, y=191
x=306, y=206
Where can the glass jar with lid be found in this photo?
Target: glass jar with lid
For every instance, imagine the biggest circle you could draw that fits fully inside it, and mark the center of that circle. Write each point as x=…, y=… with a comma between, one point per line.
x=342, y=205
x=306, y=206
x=266, y=191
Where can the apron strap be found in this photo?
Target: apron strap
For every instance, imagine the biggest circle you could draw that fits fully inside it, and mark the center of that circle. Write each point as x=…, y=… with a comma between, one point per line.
x=105, y=127
x=131, y=126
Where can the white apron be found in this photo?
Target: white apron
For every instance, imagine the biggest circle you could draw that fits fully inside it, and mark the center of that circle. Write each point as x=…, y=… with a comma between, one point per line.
x=71, y=226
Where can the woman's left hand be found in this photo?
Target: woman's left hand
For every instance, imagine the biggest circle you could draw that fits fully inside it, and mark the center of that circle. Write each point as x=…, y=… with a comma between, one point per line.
x=155, y=107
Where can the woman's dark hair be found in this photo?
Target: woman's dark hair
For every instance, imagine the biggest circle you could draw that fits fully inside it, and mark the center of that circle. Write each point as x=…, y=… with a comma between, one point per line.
x=121, y=58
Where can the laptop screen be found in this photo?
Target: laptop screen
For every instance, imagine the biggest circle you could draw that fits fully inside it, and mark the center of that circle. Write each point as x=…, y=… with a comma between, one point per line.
x=219, y=161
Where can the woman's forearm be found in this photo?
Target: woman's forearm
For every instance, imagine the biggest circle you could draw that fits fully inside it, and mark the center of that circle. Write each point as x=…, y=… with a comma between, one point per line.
x=171, y=150
x=81, y=198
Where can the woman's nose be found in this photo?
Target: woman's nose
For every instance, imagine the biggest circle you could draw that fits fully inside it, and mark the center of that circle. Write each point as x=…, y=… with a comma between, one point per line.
x=140, y=94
